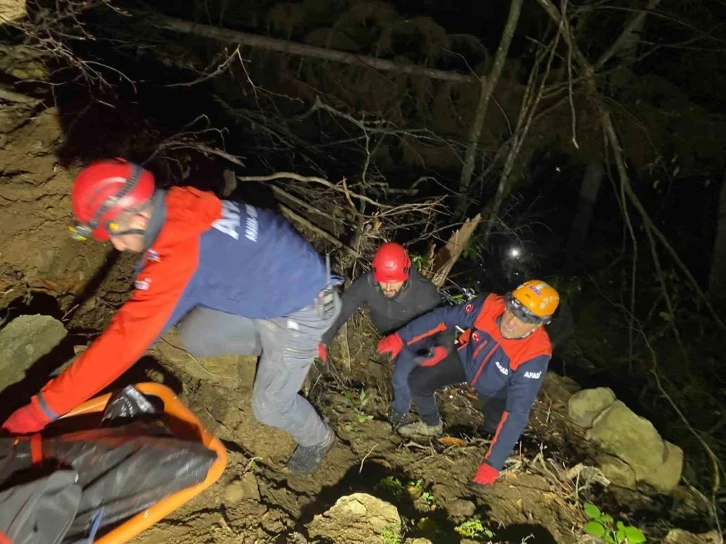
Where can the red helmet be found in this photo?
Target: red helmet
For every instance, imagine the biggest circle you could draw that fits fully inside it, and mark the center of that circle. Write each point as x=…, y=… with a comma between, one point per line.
x=391, y=263
x=104, y=190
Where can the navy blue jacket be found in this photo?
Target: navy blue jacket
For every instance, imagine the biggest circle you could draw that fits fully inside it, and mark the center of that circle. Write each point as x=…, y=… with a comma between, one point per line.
x=224, y=255
x=493, y=365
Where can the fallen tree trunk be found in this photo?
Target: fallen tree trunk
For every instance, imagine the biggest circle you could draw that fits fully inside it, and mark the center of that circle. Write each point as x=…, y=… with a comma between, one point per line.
x=303, y=50
x=446, y=257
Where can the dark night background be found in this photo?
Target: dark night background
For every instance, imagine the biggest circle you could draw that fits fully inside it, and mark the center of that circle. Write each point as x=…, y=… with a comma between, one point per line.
x=665, y=91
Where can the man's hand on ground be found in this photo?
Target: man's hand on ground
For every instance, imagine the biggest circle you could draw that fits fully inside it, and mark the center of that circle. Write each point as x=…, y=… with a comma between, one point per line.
x=28, y=419
x=485, y=475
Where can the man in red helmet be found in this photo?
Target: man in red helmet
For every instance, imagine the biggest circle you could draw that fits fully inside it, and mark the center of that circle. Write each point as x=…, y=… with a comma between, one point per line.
x=242, y=278
x=394, y=293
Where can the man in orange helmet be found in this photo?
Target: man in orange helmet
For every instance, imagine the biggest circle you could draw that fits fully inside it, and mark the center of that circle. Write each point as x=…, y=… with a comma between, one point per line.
x=503, y=353
x=241, y=278
x=395, y=293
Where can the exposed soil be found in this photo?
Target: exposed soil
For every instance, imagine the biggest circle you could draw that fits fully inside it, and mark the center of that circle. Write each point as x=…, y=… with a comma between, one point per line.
x=83, y=284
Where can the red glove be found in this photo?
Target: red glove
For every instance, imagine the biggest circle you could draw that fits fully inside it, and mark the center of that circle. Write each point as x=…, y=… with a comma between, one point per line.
x=486, y=475
x=28, y=419
x=323, y=352
x=391, y=344
x=437, y=355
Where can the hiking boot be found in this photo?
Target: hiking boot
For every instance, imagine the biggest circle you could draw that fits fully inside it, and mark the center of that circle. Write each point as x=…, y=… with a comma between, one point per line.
x=419, y=428
x=307, y=459
x=395, y=418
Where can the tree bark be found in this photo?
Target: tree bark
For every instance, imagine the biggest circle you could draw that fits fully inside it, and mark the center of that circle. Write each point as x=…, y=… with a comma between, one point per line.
x=486, y=86
x=446, y=257
x=629, y=37
x=585, y=204
x=303, y=50
x=717, y=277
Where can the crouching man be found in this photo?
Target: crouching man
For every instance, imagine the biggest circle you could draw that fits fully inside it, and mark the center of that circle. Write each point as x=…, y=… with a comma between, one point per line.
x=504, y=353
x=241, y=277
x=394, y=293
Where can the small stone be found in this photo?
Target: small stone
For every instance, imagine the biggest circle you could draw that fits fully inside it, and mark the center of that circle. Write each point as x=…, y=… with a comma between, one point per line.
x=243, y=489
x=233, y=493
x=461, y=508
x=356, y=519
x=251, y=489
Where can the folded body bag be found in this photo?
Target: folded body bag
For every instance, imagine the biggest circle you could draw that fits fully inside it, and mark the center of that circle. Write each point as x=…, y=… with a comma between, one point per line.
x=40, y=511
x=116, y=472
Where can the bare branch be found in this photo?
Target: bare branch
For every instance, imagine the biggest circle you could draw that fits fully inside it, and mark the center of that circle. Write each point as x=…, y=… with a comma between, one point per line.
x=303, y=50
x=313, y=179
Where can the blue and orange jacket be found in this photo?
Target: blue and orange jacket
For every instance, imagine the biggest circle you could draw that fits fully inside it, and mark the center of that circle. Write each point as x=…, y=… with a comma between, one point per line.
x=223, y=255
x=493, y=365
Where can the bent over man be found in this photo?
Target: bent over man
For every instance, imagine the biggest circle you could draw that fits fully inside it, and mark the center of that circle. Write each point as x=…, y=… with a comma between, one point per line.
x=503, y=353
x=250, y=281
x=395, y=293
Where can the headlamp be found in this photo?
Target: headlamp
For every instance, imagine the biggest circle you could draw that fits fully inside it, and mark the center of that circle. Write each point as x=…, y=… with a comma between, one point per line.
x=80, y=232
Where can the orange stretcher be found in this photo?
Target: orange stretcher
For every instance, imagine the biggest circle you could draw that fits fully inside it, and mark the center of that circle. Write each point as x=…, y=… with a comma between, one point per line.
x=183, y=424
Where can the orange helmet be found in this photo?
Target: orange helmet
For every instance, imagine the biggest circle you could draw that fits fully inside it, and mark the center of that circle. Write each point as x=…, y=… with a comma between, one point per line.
x=534, y=301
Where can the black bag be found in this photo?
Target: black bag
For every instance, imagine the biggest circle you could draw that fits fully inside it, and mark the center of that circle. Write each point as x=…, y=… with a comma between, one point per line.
x=123, y=466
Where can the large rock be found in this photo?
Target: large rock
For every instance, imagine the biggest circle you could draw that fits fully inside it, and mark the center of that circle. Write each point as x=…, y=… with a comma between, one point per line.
x=678, y=536
x=634, y=440
x=25, y=340
x=584, y=406
x=12, y=10
x=617, y=471
x=356, y=519
x=665, y=478
x=559, y=388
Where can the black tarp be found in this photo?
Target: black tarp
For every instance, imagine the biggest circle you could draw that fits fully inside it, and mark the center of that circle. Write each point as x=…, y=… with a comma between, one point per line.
x=119, y=467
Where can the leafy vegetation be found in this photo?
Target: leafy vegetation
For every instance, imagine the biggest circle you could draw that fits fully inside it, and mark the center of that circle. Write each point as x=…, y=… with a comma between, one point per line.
x=604, y=526
x=473, y=528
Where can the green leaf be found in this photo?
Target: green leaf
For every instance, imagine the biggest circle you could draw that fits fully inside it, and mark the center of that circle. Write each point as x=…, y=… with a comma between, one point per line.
x=605, y=519
x=621, y=534
x=593, y=528
x=635, y=535
x=609, y=539
x=592, y=511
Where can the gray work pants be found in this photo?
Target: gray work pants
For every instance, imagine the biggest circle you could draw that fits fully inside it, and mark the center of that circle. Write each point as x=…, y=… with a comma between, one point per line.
x=287, y=347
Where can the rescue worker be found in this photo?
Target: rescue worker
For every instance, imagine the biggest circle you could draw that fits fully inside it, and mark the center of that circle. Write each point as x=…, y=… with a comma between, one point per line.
x=504, y=353
x=242, y=277
x=395, y=293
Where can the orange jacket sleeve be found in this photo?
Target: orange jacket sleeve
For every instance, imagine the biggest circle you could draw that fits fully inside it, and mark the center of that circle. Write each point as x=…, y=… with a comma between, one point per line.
x=160, y=286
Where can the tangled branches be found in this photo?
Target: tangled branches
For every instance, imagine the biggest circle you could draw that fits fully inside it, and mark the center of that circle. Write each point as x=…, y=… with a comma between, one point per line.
x=51, y=34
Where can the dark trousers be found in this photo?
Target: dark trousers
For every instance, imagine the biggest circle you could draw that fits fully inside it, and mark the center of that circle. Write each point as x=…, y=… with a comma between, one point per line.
x=425, y=380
